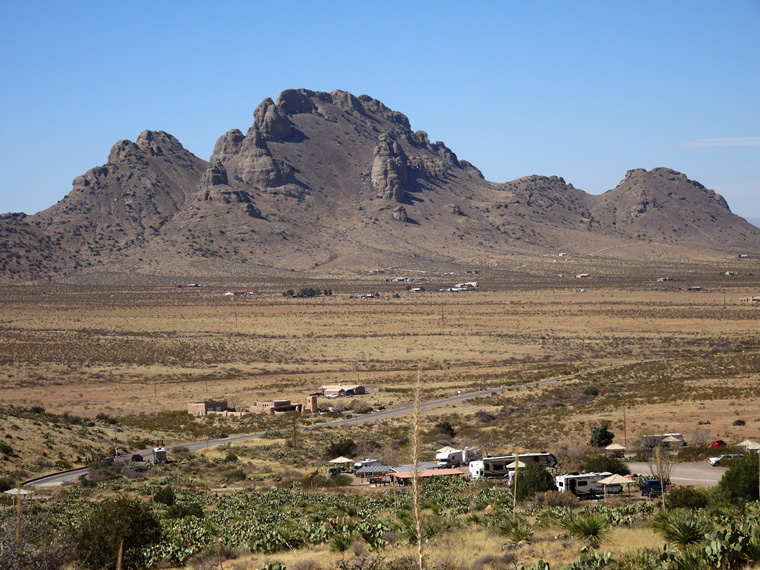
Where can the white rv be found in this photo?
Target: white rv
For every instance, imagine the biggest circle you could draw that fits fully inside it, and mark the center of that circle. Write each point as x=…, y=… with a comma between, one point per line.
x=585, y=485
x=457, y=457
x=496, y=467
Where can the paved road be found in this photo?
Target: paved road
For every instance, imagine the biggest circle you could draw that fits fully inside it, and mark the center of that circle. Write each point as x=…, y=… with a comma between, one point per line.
x=700, y=474
x=68, y=476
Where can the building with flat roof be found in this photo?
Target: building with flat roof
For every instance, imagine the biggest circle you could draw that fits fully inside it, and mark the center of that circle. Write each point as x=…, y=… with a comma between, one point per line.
x=339, y=390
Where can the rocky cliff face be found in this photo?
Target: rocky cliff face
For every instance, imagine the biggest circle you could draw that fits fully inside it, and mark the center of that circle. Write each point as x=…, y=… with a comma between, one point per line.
x=340, y=183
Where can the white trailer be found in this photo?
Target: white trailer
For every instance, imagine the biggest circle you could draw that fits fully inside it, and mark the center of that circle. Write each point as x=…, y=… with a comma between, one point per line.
x=458, y=457
x=159, y=453
x=365, y=463
x=496, y=467
x=585, y=485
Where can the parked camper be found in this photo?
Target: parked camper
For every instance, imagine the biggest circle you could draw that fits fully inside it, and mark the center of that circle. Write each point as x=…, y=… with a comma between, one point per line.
x=496, y=467
x=159, y=455
x=585, y=485
x=367, y=462
x=656, y=439
x=458, y=457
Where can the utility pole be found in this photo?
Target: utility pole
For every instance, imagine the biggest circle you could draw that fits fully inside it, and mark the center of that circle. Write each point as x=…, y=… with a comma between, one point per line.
x=625, y=430
x=514, y=485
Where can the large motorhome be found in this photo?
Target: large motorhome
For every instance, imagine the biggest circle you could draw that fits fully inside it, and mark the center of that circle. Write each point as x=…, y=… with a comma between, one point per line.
x=495, y=467
x=585, y=485
x=458, y=457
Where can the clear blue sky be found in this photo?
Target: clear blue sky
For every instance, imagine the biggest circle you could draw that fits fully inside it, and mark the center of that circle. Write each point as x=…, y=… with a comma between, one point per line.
x=583, y=90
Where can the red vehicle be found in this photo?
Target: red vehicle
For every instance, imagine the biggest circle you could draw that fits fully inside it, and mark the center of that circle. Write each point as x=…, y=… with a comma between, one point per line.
x=718, y=443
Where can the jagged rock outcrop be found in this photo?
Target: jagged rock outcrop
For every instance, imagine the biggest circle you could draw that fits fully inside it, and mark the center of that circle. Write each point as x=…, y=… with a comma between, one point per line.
x=321, y=180
x=390, y=175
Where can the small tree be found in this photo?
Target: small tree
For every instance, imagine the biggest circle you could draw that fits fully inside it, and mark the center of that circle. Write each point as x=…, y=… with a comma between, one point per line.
x=532, y=479
x=601, y=436
x=124, y=525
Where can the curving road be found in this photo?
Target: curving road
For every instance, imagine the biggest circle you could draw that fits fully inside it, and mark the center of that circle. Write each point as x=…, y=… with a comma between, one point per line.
x=67, y=476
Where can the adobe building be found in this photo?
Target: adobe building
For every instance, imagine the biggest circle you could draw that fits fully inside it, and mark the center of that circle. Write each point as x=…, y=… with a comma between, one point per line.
x=275, y=407
x=214, y=407
x=203, y=408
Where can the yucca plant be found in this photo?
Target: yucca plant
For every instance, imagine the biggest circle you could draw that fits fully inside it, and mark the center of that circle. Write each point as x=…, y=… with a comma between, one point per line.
x=340, y=542
x=591, y=528
x=515, y=528
x=680, y=529
x=640, y=559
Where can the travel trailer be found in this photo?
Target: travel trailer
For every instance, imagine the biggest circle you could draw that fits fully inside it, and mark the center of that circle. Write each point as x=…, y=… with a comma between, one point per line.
x=496, y=467
x=585, y=485
x=457, y=457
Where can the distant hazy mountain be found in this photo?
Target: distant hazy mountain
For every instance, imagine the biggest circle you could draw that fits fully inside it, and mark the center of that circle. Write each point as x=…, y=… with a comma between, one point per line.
x=338, y=183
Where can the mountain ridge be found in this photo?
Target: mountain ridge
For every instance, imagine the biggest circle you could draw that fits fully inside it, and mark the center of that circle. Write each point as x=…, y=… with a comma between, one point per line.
x=340, y=183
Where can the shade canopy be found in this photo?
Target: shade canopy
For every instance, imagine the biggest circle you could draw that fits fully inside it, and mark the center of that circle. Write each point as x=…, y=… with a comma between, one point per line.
x=519, y=464
x=341, y=459
x=671, y=439
x=615, y=479
x=615, y=447
x=748, y=444
x=446, y=449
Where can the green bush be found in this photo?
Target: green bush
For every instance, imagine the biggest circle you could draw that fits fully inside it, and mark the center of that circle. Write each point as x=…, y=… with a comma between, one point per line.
x=182, y=511
x=740, y=482
x=122, y=521
x=165, y=496
x=341, y=448
x=602, y=463
x=687, y=498
x=532, y=479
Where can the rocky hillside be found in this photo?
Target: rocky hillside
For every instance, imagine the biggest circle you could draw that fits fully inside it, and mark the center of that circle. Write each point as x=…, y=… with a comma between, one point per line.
x=340, y=183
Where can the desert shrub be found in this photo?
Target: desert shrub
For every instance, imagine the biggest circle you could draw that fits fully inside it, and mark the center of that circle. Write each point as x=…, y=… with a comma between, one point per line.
x=235, y=475
x=230, y=457
x=740, y=423
x=591, y=391
x=165, y=496
x=6, y=449
x=602, y=463
x=101, y=471
x=184, y=510
x=341, y=480
x=39, y=546
x=532, y=479
x=484, y=417
x=739, y=483
x=444, y=426
x=5, y=484
x=592, y=528
x=556, y=499
x=122, y=521
x=342, y=447
x=687, y=498
x=601, y=436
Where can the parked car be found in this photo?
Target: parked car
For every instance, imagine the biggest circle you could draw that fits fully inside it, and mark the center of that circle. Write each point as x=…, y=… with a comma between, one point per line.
x=718, y=443
x=137, y=458
x=333, y=471
x=724, y=459
x=651, y=488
